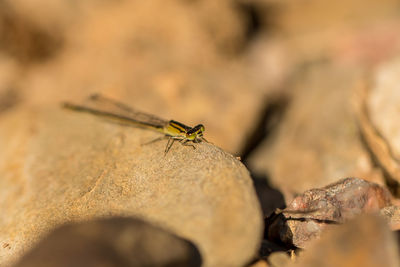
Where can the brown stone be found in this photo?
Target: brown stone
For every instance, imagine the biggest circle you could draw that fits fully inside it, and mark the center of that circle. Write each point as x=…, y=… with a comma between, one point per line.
x=59, y=166
x=348, y=32
x=316, y=209
x=260, y=263
x=378, y=114
x=392, y=215
x=279, y=259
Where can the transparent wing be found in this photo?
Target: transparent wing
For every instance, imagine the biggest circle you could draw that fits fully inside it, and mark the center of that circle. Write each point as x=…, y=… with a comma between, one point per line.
x=109, y=105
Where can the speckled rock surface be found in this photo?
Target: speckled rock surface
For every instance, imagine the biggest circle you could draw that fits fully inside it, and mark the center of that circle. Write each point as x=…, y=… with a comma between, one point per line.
x=58, y=166
x=392, y=215
x=310, y=213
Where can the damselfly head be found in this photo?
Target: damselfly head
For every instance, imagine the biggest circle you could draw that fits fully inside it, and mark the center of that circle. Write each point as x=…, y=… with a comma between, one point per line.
x=196, y=132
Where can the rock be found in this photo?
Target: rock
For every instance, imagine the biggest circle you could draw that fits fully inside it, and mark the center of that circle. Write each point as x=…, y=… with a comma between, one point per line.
x=59, y=166
x=318, y=139
x=27, y=40
x=383, y=102
x=378, y=112
x=295, y=18
x=392, y=215
x=111, y=242
x=314, y=210
x=260, y=263
x=364, y=241
x=279, y=259
x=349, y=32
x=268, y=247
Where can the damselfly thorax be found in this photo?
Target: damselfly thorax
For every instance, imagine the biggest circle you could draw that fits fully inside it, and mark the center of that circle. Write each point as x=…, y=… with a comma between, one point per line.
x=125, y=115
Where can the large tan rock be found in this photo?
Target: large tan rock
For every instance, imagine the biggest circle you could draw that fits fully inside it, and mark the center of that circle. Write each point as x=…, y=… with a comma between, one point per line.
x=58, y=166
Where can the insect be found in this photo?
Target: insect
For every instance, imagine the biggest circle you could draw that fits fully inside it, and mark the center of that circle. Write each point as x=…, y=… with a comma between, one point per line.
x=123, y=114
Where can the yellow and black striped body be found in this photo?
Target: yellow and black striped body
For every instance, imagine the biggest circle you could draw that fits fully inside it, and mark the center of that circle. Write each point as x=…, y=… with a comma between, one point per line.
x=181, y=131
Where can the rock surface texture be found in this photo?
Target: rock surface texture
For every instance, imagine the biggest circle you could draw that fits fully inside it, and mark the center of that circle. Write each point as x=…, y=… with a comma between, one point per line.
x=378, y=119
x=316, y=209
x=57, y=166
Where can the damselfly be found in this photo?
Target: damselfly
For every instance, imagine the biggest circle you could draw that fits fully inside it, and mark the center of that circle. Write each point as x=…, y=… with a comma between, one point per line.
x=123, y=114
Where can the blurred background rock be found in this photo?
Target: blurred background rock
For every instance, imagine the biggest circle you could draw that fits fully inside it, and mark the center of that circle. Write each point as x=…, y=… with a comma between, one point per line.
x=196, y=61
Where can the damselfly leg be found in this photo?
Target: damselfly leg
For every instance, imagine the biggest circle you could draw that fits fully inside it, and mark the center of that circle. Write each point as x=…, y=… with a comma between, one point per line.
x=155, y=140
x=185, y=142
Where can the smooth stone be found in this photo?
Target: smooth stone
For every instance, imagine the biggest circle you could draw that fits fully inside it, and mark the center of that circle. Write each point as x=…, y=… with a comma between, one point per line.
x=57, y=166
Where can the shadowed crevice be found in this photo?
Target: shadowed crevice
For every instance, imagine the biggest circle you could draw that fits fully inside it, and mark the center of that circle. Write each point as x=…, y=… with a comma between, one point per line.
x=269, y=118
x=24, y=40
x=8, y=99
